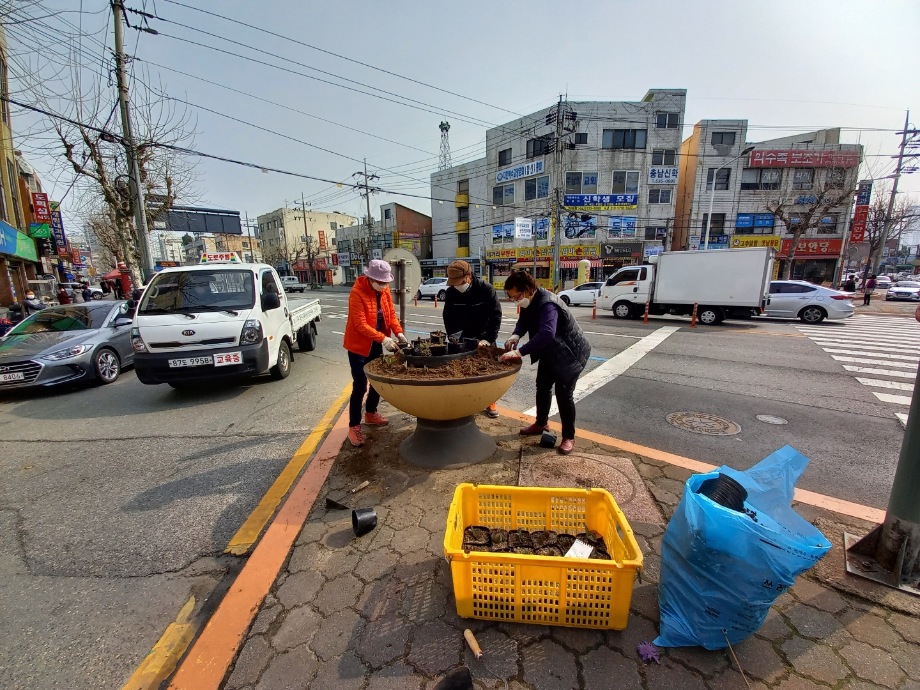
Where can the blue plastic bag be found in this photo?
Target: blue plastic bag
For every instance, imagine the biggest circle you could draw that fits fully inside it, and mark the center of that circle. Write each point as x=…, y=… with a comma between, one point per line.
x=721, y=569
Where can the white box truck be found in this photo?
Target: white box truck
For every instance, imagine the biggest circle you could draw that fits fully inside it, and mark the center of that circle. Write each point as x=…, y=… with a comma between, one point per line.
x=221, y=319
x=723, y=284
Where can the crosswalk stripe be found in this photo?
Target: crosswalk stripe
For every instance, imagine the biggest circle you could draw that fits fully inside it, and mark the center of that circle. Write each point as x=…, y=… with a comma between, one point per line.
x=901, y=418
x=863, y=360
x=880, y=372
x=910, y=358
x=868, y=346
x=889, y=398
x=880, y=383
x=861, y=333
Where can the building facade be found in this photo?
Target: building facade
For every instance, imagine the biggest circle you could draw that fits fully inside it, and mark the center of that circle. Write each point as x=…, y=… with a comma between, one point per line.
x=742, y=181
x=249, y=248
x=610, y=166
x=290, y=236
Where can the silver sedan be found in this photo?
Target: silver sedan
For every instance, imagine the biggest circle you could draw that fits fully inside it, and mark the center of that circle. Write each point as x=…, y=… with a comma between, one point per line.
x=68, y=344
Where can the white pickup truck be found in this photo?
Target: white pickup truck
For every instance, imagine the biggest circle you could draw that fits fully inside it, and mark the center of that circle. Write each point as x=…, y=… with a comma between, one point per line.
x=293, y=284
x=220, y=319
x=721, y=284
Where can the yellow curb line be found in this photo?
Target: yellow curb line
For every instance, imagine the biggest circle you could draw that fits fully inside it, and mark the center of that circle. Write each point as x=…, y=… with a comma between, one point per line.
x=811, y=498
x=247, y=535
x=163, y=658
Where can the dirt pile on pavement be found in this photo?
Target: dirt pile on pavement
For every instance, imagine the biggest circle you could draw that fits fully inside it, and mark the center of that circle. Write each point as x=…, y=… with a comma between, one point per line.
x=483, y=363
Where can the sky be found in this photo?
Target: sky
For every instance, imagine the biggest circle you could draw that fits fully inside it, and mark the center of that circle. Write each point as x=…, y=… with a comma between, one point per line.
x=786, y=66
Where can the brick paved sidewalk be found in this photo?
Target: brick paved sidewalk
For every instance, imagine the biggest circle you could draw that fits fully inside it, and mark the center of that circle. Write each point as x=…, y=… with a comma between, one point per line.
x=378, y=612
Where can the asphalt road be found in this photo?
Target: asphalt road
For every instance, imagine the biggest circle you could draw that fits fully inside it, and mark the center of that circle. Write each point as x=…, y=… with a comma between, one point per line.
x=118, y=501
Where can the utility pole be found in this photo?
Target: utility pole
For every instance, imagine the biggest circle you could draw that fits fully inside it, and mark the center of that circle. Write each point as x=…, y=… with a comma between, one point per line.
x=308, y=243
x=137, y=191
x=557, y=210
x=877, y=256
x=367, y=197
x=252, y=244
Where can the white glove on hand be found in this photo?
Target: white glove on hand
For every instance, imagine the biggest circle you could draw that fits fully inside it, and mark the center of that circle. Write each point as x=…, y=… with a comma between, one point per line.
x=402, y=339
x=511, y=356
x=511, y=342
x=484, y=343
x=389, y=344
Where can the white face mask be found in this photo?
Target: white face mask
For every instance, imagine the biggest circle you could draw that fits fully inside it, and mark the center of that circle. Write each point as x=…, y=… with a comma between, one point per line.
x=524, y=302
x=463, y=287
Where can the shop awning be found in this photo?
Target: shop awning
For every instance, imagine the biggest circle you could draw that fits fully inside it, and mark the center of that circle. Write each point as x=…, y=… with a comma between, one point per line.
x=16, y=244
x=112, y=275
x=568, y=263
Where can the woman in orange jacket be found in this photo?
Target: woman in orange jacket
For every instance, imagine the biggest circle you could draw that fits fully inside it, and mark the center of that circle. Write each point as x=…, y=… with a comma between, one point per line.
x=371, y=319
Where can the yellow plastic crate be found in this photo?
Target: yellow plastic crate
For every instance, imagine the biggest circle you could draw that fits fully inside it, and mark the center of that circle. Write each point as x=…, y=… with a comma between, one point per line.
x=551, y=590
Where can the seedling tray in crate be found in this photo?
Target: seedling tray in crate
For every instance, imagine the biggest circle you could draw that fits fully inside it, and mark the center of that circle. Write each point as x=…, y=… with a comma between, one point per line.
x=551, y=590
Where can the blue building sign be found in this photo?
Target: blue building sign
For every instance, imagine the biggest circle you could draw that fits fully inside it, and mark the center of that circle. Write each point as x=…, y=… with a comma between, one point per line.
x=519, y=171
x=600, y=202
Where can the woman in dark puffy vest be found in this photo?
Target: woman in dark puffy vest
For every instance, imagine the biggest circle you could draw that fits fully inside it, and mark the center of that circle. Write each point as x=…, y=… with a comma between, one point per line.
x=555, y=344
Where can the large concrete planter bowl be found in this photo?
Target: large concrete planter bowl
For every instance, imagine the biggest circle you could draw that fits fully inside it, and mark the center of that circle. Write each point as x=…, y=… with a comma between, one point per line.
x=446, y=434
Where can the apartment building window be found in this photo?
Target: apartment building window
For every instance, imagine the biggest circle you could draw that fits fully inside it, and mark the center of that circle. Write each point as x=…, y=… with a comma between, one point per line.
x=761, y=178
x=463, y=214
x=463, y=187
x=504, y=157
x=387, y=214
x=463, y=240
x=718, y=224
x=803, y=178
x=503, y=194
x=581, y=183
x=723, y=138
x=659, y=195
x=536, y=188
x=245, y=244
x=625, y=182
x=624, y=138
x=664, y=157
x=723, y=175
x=335, y=226
x=828, y=225
x=540, y=146
x=667, y=120
x=835, y=178
x=656, y=233
x=581, y=138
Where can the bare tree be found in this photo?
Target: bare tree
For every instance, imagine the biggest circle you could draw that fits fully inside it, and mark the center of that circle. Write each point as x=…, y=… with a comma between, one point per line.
x=902, y=220
x=801, y=217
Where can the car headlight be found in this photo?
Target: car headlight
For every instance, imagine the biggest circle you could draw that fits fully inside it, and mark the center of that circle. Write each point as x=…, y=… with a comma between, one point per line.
x=67, y=352
x=251, y=333
x=136, y=341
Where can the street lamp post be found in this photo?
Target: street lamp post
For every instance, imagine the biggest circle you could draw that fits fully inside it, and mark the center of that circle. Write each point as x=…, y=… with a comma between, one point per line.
x=712, y=192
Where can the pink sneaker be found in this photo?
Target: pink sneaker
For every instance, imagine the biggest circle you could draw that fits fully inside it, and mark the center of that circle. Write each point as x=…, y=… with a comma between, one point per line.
x=533, y=430
x=375, y=419
x=356, y=436
x=567, y=446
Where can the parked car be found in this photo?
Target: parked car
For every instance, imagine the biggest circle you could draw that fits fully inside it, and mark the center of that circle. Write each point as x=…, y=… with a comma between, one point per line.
x=434, y=288
x=78, y=287
x=883, y=283
x=798, y=299
x=585, y=293
x=66, y=344
x=904, y=289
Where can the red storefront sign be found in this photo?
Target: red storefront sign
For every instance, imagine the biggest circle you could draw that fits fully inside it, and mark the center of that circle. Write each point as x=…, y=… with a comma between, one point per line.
x=75, y=256
x=320, y=264
x=812, y=247
x=858, y=226
x=322, y=240
x=301, y=265
x=335, y=259
x=796, y=158
x=41, y=208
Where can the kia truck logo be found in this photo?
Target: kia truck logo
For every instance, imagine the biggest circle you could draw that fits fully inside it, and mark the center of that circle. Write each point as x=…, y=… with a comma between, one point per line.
x=2, y=369
x=188, y=332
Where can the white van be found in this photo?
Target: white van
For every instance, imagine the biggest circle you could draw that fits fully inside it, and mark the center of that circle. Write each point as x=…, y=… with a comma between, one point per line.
x=219, y=319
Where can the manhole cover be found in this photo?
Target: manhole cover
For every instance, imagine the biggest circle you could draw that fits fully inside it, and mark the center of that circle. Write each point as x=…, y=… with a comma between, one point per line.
x=703, y=423
x=770, y=419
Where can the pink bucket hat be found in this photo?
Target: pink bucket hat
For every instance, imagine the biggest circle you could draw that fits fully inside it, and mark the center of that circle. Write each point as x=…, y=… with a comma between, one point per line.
x=379, y=270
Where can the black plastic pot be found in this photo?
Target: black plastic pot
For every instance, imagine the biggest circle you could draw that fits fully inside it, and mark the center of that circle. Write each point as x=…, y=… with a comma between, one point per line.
x=471, y=343
x=438, y=336
x=363, y=520
x=725, y=491
x=548, y=440
x=438, y=350
x=455, y=348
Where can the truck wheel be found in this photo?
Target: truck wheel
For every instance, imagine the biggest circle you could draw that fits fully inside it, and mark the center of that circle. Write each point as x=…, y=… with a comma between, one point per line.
x=812, y=315
x=283, y=368
x=301, y=290
x=622, y=310
x=710, y=316
x=306, y=338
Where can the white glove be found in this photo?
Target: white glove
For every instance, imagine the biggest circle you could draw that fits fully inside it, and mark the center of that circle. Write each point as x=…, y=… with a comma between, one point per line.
x=511, y=342
x=402, y=339
x=389, y=344
x=484, y=343
x=511, y=356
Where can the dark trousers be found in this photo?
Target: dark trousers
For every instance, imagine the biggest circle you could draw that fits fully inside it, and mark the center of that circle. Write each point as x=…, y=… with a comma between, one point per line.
x=547, y=377
x=359, y=387
x=867, y=297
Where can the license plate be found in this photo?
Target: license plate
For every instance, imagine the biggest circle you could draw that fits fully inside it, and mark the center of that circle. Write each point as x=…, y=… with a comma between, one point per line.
x=191, y=362
x=228, y=359
x=13, y=377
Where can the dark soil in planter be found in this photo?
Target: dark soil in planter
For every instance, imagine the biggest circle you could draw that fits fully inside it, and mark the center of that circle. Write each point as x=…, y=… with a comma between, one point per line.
x=485, y=361
x=438, y=350
x=539, y=542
